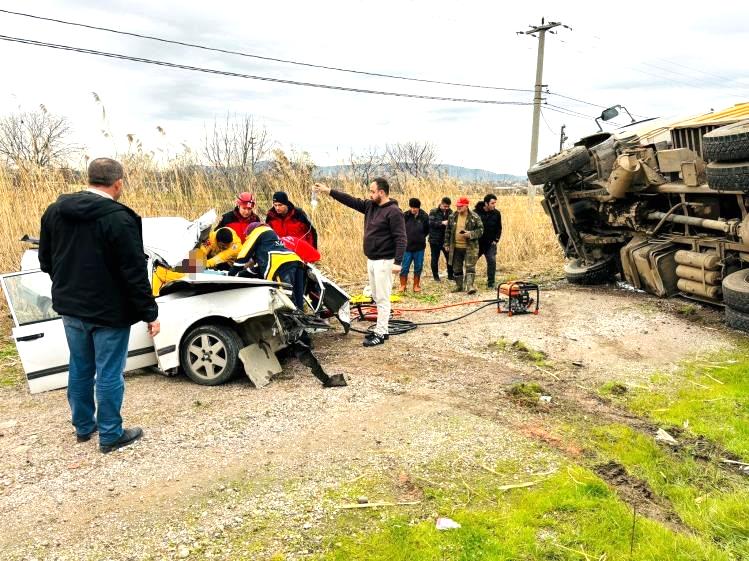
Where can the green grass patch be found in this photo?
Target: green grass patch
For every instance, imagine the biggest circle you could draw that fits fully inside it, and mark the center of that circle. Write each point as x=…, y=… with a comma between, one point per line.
x=570, y=515
x=613, y=389
x=11, y=371
x=522, y=350
x=708, y=398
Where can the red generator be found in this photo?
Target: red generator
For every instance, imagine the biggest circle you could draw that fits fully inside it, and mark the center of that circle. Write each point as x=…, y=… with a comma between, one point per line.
x=515, y=297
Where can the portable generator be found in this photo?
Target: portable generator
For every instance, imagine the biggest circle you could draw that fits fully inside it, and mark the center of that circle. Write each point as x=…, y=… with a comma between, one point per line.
x=515, y=297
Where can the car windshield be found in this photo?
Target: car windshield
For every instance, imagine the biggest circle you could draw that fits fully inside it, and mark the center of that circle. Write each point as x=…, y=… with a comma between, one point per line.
x=29, y=297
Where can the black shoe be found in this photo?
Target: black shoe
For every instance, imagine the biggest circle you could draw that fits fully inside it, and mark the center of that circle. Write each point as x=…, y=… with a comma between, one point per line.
x=437, y=279
x=375, y=340
x=372, y=334
x=128, y=437
x=490, y=285
x=86, y=437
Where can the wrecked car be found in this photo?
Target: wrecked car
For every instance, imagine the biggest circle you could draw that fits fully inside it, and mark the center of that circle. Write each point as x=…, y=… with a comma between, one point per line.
x=212, y=326
x=665, y=205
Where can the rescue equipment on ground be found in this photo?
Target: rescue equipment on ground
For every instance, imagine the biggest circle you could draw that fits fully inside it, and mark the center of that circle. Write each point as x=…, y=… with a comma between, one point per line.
x=514, y=297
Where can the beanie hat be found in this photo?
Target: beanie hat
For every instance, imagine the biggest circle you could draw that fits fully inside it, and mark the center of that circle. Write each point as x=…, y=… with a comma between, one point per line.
x=281, y=197
x=251, y=226
x=463, y=201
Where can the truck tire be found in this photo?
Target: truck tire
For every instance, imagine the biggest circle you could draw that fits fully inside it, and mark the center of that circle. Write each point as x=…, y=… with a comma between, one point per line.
x=209, y=354
x=600, y=272
x=736, y=291
x=728, y=176
x=737, y=320
x=727, y=144
x=559, y=166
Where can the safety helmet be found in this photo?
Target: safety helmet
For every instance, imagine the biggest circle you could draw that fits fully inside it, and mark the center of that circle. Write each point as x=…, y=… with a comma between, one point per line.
x=246, y=200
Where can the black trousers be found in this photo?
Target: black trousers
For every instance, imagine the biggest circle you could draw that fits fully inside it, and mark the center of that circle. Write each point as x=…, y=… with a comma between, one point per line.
x=435, y=256
x=490, y=252
x=294, y=274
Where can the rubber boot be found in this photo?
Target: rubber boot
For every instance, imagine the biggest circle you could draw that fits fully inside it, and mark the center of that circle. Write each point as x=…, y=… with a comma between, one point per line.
x=468, y=284
x=450, y=275
x=417, y=283
x=404, y=283
x=458, y=283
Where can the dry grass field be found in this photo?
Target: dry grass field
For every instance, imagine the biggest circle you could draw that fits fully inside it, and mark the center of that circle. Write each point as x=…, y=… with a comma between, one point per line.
x=528, y=246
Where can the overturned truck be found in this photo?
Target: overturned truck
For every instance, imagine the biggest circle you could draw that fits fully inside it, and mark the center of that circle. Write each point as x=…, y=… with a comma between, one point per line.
x=664, y=205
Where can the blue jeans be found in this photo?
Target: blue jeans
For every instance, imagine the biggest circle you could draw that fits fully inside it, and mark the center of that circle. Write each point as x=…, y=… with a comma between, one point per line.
x=417, y=257
x=97, y=358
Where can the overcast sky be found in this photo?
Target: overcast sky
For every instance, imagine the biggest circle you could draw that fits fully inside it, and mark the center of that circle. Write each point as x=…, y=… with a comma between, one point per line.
x=657, y=59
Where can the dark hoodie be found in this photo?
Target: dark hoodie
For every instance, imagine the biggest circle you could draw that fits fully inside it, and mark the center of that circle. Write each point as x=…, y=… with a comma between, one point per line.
x=417, y=228
x=92, y=248
x=384, y=227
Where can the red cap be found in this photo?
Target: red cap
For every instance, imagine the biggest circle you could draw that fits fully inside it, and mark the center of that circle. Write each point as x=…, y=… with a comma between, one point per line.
x=462, y=201
x=246, y=200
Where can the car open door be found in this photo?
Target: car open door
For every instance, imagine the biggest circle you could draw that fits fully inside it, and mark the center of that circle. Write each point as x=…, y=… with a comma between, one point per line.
x=40, y=336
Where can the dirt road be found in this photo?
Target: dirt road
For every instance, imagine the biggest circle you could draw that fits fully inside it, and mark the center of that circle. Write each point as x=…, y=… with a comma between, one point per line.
x=217, y=459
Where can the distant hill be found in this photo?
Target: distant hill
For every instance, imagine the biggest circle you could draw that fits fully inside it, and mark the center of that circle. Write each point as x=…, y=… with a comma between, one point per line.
x=458, y=172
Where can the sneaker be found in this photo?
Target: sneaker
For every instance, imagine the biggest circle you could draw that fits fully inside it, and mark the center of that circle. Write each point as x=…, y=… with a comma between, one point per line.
x=128, y=437
x=372, y=334
x=376, y=339
x=86, y=437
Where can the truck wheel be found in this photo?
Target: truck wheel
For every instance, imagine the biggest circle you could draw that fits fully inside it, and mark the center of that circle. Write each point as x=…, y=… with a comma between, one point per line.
x=209, y=354
x=728, y=176
x=737, y=320
x=736, y=291
x=559, y=166
x=598, y=273
x=727, y=144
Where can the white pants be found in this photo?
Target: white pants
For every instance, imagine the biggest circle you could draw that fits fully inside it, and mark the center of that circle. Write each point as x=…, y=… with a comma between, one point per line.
x=381, y=281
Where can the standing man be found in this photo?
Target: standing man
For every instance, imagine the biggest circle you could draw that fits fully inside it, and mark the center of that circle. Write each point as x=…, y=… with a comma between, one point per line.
x=241, y=216
x=464, y=229
x=417, y=228
x=491, y=218
x=92, y=248
x=437, y=226
x=384, y=245
x=289, y=220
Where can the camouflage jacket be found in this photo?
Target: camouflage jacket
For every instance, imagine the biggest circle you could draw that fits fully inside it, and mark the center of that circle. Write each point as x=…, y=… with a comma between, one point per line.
x=474, y=226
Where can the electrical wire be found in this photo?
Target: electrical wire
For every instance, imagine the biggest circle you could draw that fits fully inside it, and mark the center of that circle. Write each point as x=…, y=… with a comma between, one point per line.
x=260, y=57
x=251, y=76
x=548, y=126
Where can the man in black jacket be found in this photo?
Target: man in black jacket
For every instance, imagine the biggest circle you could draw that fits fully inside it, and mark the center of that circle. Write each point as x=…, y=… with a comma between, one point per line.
x=417, y=228
x=438, y=218
x=384, y=245
x=92, y=248
x=492, y=220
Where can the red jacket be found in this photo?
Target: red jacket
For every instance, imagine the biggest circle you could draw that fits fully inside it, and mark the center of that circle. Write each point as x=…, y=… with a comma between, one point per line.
x=294, y=223
x=237, y=222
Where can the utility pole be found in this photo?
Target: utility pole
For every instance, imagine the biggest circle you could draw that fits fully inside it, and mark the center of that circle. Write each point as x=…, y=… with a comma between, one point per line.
x=541, y=31
x=562, y=137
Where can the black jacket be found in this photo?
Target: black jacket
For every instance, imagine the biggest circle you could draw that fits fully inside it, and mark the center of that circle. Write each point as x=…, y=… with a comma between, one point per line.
x=492, y=221
x=384, y=229
x=436, y=228
x=417, y=228
x=92, y=248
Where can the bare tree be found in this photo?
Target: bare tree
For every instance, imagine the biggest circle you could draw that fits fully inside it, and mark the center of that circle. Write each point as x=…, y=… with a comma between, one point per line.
x=412, y=158
x=36, y=138
x=235, y=148
x=367, y=165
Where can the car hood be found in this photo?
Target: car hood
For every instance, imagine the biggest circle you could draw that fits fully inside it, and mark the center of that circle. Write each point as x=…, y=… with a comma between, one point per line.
x=171, y=238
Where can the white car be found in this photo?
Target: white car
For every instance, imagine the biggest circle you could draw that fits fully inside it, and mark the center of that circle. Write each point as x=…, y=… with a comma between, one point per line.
x=212, y=325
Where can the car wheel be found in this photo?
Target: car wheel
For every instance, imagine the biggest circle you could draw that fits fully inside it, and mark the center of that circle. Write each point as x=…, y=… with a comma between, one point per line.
x=736, y=291
x=209, y=354
x=600, y=272
x=727, y=144
x=728, y=176
x=559, y=166
x=737, y=320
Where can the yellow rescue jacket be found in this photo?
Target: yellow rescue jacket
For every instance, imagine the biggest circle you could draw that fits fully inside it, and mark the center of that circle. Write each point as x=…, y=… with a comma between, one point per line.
x=214, y=255
x=269, y=253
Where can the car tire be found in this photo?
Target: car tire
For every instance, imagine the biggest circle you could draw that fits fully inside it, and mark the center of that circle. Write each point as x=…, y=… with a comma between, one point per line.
x=600, y=272
x=736, y=291
x=728, y=176
x=737, y=320
x=559, y=166
x=209, y=354
x=727, y=144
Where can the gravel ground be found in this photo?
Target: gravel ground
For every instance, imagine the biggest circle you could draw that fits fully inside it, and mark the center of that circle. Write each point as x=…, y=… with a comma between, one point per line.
x=215, y=461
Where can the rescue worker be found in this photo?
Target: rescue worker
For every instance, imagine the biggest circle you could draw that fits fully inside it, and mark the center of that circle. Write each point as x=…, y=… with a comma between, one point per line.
x=220, y=249
x=417, y=228
x=464, y=229
x=288, y=220
x=263, y=255
x=241, y=216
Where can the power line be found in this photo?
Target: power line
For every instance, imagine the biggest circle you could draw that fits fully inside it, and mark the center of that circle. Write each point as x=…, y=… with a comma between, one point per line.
x=548, y=126
x=260, y=57
x=251, y=76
